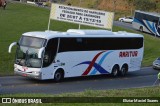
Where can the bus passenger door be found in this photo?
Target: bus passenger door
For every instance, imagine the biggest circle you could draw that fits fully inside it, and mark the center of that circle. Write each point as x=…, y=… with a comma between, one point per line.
x=48, y=58
x=50, y=52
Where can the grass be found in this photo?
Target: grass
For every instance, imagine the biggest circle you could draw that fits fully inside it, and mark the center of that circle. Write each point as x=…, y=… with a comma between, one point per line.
x=135, y=93
x=20, y=18
x=132, y=92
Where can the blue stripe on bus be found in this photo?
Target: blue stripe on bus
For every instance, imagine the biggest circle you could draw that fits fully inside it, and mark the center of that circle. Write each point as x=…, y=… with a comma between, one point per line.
x=151, y=26
x=136, y=20
x=100, y=62
x=156, y=29
x=97, y=66
x=142, y=23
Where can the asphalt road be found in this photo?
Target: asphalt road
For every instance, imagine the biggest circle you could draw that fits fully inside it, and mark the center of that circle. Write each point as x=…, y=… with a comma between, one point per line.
x=17, y=84
x=123, y=24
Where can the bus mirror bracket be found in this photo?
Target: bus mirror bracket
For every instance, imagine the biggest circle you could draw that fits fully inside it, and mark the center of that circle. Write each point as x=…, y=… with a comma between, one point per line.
x=11, y=45
x=40, y=52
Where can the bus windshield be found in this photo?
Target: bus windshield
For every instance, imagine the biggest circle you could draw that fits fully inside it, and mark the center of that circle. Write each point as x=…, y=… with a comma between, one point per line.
x=27, y=52
x=32, y=42
x=27, y=56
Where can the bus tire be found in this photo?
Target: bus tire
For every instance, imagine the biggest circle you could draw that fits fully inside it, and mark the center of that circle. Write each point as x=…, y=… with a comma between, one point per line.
x=59, y=75
x=124, y=70
x=141, y=28
x=115, y=71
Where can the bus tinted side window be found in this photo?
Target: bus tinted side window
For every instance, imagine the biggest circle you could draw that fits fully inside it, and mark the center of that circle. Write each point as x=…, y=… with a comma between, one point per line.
x=50, y=52
x=89, y=44
x=139, y=16
x=72, y=44
x=142, y=16
x=113, y=43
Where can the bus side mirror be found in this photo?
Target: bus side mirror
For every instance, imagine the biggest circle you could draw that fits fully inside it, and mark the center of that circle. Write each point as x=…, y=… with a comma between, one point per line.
x=11, y=45
x=40, y=52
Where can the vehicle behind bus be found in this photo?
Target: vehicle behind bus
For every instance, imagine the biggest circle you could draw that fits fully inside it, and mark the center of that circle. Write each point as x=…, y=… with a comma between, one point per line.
x=58, y=55
x=147, y=22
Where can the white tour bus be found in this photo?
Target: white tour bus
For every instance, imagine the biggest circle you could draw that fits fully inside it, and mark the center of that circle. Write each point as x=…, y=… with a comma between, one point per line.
x=147, y=22
x=57, y=55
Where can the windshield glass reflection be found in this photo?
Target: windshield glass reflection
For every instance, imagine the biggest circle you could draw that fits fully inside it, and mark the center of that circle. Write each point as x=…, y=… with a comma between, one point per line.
x=28, y=57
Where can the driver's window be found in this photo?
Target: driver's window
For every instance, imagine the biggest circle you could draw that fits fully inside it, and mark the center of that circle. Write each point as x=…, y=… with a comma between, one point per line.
x=50, y=52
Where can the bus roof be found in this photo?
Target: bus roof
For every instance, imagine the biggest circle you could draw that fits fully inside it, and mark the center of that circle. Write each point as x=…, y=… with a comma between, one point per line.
x=80, y=33
x=149, y=13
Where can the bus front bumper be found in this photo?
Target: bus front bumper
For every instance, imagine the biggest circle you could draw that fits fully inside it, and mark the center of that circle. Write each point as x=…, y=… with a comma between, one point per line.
x=30, y=75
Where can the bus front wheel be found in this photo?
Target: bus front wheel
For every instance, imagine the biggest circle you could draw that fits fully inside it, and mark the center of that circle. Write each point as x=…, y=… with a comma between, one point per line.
x=59, y=75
